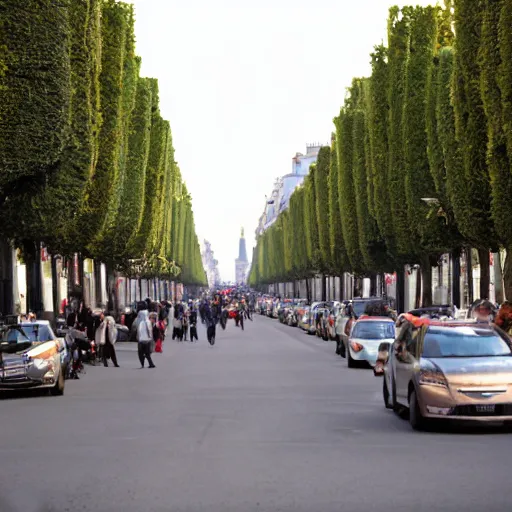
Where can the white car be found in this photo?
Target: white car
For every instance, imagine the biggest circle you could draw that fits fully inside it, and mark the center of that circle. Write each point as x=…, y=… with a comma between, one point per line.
x=31, y=356
x=365, y=337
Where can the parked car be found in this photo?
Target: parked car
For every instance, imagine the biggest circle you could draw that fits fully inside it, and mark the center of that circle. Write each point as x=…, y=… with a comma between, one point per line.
x=32, y=356
x=322, y=315
x=365, y=338
x=451, y=370
x=349, y=313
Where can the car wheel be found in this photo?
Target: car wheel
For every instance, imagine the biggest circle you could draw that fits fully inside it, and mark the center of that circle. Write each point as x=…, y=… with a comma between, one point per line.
x=385, y=393
x=416, y=419
x=58, y=389
x=350, y=362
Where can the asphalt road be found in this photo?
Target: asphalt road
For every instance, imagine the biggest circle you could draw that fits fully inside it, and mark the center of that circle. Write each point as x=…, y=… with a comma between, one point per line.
x=267, y=420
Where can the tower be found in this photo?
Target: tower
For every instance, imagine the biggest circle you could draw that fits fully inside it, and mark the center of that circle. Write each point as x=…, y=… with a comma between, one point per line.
x=241, y=263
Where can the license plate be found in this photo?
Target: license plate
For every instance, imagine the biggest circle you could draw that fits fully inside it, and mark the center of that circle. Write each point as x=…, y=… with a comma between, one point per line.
x=485, y=408
x=14, y=373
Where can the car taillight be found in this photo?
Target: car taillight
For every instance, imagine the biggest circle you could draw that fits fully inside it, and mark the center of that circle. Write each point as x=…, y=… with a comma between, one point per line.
x=356, y=347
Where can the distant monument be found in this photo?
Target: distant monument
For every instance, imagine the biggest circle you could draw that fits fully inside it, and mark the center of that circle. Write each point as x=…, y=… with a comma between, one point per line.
x=241, y=263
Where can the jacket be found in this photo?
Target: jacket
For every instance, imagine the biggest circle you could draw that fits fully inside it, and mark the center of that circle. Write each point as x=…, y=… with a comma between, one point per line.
x=99, y=336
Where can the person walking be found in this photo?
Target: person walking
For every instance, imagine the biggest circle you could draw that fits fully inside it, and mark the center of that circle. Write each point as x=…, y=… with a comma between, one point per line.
x=144, y=338
x=193, y=323
x=210, y=325
x=105, y=338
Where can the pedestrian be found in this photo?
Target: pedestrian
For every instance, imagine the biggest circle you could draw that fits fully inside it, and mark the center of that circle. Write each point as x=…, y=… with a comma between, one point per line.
x=105, y=338
x=157, y=332
x=185, y=325
x=144, y=338
x=504, y=317
x=211, y=324
x=177, y=323
x=193, y=323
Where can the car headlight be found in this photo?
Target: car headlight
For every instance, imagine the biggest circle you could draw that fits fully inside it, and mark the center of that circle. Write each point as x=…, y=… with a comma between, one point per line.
x=356, y=347
x=432, y=377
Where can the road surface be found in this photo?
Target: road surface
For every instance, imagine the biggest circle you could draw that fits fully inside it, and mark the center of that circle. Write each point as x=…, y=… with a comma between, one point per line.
x=268, y=420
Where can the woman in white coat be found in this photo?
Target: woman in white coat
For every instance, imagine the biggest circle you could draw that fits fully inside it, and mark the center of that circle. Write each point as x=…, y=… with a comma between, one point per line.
x=105, y=338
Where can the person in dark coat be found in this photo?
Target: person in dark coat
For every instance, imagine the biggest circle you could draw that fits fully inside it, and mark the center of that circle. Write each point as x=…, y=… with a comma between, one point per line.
x=193, y=323
x=210, y=324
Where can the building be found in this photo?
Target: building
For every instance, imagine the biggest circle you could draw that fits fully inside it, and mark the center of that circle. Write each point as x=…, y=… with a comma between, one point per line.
x=241, y=263
x=210, y=264
x=279, y=199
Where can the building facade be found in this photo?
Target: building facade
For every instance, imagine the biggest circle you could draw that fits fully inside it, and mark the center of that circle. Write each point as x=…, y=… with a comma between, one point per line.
x=210, y=264
x=241, y=263
x=284, y=186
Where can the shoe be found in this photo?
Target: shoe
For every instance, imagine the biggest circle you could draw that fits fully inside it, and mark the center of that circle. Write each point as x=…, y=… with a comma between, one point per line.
x=116, y=366
x=152, y=366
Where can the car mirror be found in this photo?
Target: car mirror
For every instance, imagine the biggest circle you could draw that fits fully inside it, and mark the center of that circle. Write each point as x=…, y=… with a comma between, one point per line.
x=382, y=359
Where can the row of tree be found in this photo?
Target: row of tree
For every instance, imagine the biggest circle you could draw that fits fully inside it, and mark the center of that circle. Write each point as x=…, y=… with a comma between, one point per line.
x=433, y=121
x=86, y=160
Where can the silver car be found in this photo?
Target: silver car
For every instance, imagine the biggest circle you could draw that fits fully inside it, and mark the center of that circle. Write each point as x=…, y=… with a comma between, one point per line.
x=365, y=337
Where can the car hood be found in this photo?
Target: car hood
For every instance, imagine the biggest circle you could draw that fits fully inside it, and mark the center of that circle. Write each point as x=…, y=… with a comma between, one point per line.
x=475, y=370
x=36, y=349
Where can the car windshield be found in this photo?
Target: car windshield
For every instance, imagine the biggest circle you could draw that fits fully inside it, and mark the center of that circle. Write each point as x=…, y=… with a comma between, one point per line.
x=359, y=308
x=31, y=332
x=374, y=330
x=467, y=341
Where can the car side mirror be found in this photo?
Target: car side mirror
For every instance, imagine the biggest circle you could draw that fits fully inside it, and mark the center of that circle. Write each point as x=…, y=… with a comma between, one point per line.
x=382, y=359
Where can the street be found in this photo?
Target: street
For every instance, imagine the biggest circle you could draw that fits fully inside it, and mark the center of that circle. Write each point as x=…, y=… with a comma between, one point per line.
x=266, y=420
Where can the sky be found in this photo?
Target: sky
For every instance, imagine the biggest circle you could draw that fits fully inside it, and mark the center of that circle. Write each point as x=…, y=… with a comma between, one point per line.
x=246, y=85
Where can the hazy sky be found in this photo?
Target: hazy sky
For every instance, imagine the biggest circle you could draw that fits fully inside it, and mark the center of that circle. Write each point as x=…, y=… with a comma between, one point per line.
x=245, y=86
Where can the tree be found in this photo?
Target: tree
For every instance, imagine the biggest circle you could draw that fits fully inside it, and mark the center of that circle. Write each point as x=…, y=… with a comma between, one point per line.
x=322, y=205
x=498, y=161
x=476, y=223
x=338, y=257
x=419, y=183
x=398, y=55
x=378, y=112
x=347, y=201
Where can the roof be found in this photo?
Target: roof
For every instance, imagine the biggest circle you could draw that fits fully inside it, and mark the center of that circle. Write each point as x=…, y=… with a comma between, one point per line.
x=366, y=318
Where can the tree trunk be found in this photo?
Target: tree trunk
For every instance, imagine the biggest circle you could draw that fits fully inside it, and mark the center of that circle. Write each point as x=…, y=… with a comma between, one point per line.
x=112, y=302
x=426, y=280
x=55, y=289
x=308, y=291
x=469, y=271
x=417, y=299
x=373, y=285
x=6, y=278
x=34, y=284
x=507, y=274
x=485, y=272
x=323, y=280
x=498, y=277
x=97, y=283
x=456, y=278
x=400, y=290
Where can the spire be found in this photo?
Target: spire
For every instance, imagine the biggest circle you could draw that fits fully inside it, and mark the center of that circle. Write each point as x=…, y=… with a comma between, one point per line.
x=242, y=233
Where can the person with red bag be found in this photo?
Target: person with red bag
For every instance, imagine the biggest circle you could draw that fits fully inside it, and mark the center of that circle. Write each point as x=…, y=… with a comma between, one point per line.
x=157, y=335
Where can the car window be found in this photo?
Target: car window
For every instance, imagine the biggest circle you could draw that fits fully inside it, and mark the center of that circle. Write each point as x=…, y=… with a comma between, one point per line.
x=373, y=330
x=359, y=308
x=468, y=341
x=32, y=332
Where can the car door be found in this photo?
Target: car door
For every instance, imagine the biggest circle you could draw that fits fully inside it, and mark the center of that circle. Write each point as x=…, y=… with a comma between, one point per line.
x=405, y=355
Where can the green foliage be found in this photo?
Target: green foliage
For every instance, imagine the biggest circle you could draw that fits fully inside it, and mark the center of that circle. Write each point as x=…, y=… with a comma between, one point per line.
x=338, y=256
x=398, y=56
x=471, y=126
x=103, y=189
x=349, y=221
x=497, y=157
x=131, y=206
x=505, y=69
x=34, y=91
x=429, y=230
x=322, y=205
x=378, y=112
